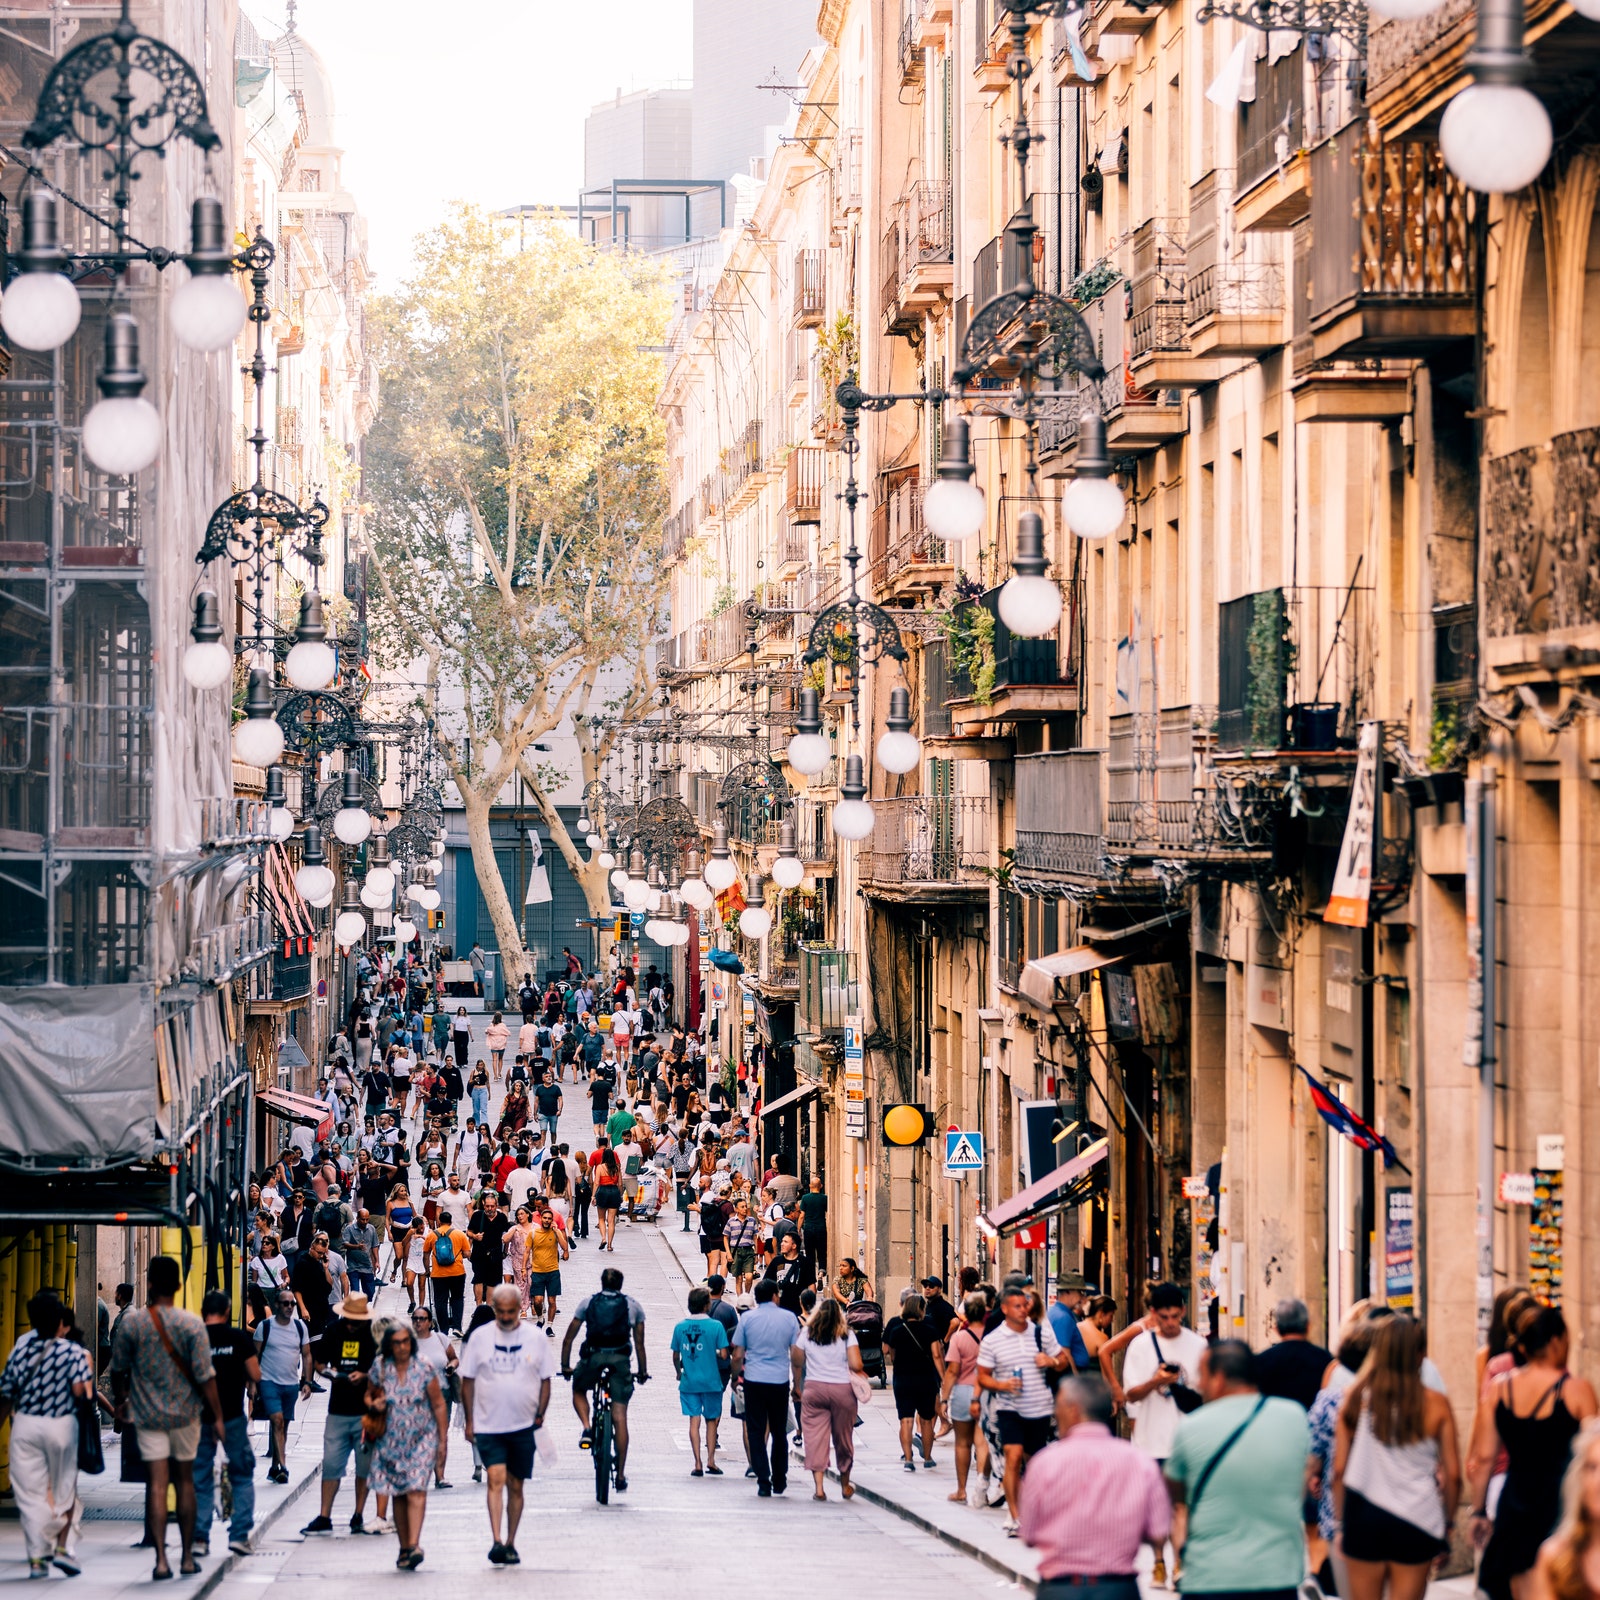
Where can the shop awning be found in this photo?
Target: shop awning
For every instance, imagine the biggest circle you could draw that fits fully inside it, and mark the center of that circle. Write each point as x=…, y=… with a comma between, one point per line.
x=1038, y=1194
x=1038, y=982
x=299, y=1109
x=291, y=1055
x=792, y=1098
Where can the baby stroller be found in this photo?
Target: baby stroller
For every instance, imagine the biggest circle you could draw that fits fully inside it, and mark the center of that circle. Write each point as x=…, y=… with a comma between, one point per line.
x=865, y=1321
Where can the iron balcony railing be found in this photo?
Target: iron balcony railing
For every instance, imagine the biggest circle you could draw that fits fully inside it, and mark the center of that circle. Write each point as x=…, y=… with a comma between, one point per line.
x=807, y=469
x=1392, y=225
x=1160, y=279
x=813, y=835
x=1061, y=813
x=234, y=820
x=1272, y=127
x=936, y=840
x=1016, y=660
x=829, y=994
x=810, y=288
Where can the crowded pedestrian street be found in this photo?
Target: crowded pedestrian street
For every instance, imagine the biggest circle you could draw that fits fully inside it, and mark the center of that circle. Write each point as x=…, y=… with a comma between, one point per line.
x=800, y=791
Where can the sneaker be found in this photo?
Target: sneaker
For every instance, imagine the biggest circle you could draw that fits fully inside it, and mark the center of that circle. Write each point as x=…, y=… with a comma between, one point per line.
x=909, y=1464
x=550, y=1331
x=621, y=1485
x=497, y=1554
x=38, y=1569
x=1009, y=1527
x=477, y=1474
x=511, y=1558
x=585, y=1440
x=1158, y=1574
x=358, y=1523
x=201, y=1547
x=318, y=1525
x=240, y=1547
x=764, y=1492
x=66, y=1563
x=278, y=1475
x=382, y=1525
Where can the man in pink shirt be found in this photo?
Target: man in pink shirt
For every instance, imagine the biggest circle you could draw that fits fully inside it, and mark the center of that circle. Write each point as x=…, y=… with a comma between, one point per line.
x=1090, y=1500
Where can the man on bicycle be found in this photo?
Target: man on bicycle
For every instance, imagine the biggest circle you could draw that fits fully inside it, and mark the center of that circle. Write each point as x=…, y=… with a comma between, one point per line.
x=606, y=1319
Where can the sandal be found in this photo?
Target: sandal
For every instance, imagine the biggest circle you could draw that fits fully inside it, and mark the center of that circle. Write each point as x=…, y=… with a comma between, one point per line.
x=161, y=1575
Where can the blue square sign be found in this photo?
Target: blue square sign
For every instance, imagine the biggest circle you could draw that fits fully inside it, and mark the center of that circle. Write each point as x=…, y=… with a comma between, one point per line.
x=963, y=1151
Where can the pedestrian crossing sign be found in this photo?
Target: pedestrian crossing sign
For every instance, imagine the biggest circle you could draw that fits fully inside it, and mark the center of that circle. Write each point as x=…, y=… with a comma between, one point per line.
x=963, y=1152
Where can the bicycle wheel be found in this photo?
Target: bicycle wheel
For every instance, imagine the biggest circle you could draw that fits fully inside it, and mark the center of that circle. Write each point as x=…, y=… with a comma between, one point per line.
x=600, y=1448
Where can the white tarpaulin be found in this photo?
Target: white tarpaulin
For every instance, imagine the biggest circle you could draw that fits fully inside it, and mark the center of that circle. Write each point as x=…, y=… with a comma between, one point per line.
x=1038, y=982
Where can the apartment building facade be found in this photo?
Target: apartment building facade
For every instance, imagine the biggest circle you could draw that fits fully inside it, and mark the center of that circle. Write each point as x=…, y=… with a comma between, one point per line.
x=1346, y=403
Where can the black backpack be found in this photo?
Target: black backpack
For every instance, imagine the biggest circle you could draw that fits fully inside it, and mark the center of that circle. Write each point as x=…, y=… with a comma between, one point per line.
x=606, y=1321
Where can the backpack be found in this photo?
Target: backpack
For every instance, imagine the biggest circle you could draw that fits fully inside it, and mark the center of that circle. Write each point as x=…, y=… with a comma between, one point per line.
x=606, y=1321
x=444, y=1250
x=329, y=1219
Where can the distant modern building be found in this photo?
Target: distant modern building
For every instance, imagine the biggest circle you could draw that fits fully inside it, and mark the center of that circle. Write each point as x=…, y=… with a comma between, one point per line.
x=644, y=135
x=738, y=46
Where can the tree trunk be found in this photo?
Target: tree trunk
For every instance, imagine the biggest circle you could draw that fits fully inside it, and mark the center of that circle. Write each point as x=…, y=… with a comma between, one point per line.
x=507, y=927
x=592, y=878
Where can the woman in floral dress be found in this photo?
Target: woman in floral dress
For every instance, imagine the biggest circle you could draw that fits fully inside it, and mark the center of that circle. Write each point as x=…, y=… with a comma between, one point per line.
x=411, y=1450
x=517, y=1254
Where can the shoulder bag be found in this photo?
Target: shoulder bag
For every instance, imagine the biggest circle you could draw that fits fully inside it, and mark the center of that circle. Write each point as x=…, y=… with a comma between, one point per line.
x=1181, y=1395
x=1216, y=1460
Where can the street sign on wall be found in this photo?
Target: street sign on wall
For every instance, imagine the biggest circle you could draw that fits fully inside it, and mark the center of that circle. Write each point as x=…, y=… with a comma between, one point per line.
x=855, y=1081
x=963, y=1152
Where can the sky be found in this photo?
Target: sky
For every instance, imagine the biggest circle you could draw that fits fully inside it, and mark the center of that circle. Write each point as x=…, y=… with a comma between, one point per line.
x=479, y=100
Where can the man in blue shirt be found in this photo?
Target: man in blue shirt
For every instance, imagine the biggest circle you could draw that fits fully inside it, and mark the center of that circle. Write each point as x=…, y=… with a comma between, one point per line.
x=698, y=1343
x=761, y=1345
x=1070, y=1290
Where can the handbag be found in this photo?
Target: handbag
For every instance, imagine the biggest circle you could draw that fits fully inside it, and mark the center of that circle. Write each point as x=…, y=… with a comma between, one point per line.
x=374, y=1413
x=1181, y=1395
x=862, y=1385
x=91, y=1452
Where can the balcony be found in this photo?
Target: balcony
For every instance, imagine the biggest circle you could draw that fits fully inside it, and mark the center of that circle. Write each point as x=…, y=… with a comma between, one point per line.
x=796, y=363
x=1061, y=813
x=1294, y=671
x=847, y=172
x=792, y=547
x=911, y=61
x=918, y=272
x=1392, y=263
x=924, y=845
x=1273, y=176
x=233, y=821
x=812, y=831
x=742, y=467
x=903, y=557
x=806, y=472
x=222, y=954
x=829, y=995
x=1159, y=356
x=675, y=531
x=1027, y=682
x=993, y=44
x=1234, y=307
x=291, y=976
x=994, y=267
x=810, y=289
x=826, y=423
x=1150, y=781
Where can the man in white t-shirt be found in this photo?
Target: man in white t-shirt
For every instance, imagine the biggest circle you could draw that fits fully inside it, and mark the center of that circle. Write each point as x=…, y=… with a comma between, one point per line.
x=521, y=1182
x=505, y=1372
x=1013, y=1361
x=1158, y=1356
x=631, y=1154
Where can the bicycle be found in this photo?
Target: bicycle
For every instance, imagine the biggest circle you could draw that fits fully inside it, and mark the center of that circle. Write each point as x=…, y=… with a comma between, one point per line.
x=602, y=1431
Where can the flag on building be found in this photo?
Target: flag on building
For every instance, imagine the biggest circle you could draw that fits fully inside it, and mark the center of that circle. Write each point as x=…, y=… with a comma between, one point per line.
x=1343, y=1120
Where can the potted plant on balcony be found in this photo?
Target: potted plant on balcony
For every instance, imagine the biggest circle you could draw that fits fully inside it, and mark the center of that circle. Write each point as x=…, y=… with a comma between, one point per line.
x=968, y=629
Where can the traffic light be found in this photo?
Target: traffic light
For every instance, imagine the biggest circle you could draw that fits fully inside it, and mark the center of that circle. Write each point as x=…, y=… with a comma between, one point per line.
x=906, y=1125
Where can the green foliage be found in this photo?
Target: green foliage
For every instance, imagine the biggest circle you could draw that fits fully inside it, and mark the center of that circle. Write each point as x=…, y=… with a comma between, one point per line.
x=1271, y=654
x=1448, y=735
x=968, y=631
x=1093, y=282
x=838, y=353
x=722, y=600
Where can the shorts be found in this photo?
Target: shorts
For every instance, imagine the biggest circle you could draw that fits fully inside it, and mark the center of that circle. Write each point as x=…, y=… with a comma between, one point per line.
x=544, y=1283
x=513, y=1451
x=1032, y=1433
x=176, y=1444
x=744, y=1261
x=961, y=1396
x=587, y=1373
x=630, y=1186
x=916, y=1400
x=713, y=1244
x=697, y=1403
x=279, y=1398
x=340, y=1437
x=608, y=1197
x=1373, y=1534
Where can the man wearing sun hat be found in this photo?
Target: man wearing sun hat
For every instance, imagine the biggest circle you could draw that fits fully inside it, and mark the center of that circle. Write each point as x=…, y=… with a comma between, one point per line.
x=345, y=1352
x=1071, y=1287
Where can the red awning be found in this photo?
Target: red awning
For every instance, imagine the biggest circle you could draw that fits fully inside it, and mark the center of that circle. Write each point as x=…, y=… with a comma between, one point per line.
x=1037, y=1194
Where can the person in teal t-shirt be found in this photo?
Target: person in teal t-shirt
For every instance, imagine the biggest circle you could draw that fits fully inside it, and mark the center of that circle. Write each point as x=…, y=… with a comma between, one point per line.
x=700, y=1356
x=1245, y=1534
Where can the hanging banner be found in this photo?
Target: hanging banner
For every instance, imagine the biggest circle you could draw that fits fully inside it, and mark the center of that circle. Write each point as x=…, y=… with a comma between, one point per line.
x=855, y=1081
x=1399, y=1250
x=1352, y=883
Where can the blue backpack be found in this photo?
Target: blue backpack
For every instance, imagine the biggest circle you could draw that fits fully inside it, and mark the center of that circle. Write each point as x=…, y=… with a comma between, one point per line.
x=444, y=1249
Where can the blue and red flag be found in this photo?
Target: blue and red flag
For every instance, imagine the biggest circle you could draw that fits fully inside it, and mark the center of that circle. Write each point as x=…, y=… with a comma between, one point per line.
x=1343, y=1120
